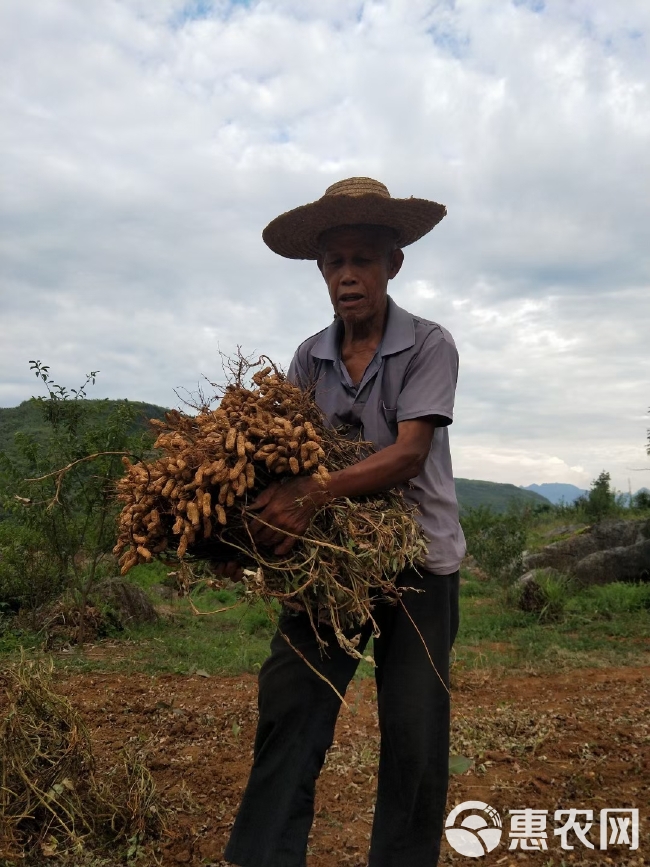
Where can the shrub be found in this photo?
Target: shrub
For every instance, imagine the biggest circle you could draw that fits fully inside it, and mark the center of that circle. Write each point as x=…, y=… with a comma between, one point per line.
x=58, y=530
x=497, y=542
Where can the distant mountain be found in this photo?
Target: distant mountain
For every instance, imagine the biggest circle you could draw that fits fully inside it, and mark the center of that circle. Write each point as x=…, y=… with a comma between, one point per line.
x=473, y=493
x=556, y=492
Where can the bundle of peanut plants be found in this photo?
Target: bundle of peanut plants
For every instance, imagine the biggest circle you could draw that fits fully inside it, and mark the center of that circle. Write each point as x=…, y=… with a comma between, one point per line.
x=192, y=502
x=53, y=804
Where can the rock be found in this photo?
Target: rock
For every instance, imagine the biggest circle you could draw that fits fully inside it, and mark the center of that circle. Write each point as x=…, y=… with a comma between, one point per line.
x=535, y=574
x=605, y=552
x=526, y=578
x=564, y=555
x=624, y=563
x=620, y=534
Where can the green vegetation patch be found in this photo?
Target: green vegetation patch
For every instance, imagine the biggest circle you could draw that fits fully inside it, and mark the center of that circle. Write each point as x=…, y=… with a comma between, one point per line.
x=598, y=626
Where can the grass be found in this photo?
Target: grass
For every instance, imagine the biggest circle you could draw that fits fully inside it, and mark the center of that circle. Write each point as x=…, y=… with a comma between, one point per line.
x=230, y=643
x=181, y=642
x=597, y=626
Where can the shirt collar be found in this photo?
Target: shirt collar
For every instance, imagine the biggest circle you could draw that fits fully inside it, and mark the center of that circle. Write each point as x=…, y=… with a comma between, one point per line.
x=399, y=335
x=400, y=330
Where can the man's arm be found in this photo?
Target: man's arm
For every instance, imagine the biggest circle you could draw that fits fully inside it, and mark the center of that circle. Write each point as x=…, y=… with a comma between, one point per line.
x=289, y=507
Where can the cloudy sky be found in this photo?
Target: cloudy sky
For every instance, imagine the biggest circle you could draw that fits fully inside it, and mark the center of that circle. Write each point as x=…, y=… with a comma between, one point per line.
x=144, y=146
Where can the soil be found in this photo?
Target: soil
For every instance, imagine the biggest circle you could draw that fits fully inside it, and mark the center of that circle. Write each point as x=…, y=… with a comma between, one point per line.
x=578, y=739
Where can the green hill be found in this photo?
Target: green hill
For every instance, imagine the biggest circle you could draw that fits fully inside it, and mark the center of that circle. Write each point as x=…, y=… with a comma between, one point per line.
x=473, y=493
x=28, y=418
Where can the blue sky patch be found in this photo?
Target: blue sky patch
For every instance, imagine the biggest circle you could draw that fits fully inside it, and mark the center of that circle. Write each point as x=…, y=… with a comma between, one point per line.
x=196, y=10
x=449, y=39
x=534, y=5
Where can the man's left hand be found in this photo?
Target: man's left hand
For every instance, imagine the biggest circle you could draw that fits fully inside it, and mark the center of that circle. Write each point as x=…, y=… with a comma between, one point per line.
x=285, y=508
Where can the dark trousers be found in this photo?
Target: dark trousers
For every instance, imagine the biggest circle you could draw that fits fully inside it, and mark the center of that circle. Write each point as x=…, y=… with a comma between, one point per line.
x=297, y=715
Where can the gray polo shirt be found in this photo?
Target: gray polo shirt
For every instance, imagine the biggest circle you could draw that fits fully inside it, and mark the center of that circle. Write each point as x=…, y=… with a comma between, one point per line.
x=412, y=374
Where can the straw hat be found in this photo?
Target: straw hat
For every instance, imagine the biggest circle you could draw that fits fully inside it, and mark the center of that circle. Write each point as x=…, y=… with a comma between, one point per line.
x=347, y=203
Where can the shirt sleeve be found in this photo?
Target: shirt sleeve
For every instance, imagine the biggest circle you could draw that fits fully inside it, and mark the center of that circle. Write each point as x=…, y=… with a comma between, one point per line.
x=430, y=381
x=297, y=374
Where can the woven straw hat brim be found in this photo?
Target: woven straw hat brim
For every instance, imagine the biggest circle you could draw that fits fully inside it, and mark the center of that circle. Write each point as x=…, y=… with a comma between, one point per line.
x=295, y=234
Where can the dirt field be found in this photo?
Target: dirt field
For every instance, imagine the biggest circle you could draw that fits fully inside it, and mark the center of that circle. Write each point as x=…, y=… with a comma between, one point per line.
x=579, y=739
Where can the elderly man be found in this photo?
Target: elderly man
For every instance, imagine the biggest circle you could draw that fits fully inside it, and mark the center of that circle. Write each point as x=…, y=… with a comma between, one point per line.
x=389, y=377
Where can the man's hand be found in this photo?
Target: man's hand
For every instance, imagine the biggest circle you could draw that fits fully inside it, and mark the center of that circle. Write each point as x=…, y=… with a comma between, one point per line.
x=290, y=506
x=286, y=508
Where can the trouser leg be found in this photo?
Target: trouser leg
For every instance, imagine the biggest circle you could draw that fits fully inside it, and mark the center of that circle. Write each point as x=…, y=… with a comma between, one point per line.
x=414, y=712
x=297, y=716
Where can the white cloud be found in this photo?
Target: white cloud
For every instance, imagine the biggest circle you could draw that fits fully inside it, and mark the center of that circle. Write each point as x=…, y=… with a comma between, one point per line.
x=520, y=465
x=146, y=145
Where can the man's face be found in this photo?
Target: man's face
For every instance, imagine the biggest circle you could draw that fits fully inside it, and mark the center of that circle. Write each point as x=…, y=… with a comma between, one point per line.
x=357, y=263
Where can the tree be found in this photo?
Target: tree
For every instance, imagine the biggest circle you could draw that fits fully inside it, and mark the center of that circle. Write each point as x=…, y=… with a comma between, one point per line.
x=600, y=500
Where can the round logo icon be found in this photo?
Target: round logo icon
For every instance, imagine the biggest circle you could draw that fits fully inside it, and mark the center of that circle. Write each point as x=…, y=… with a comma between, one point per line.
x=478, y=833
